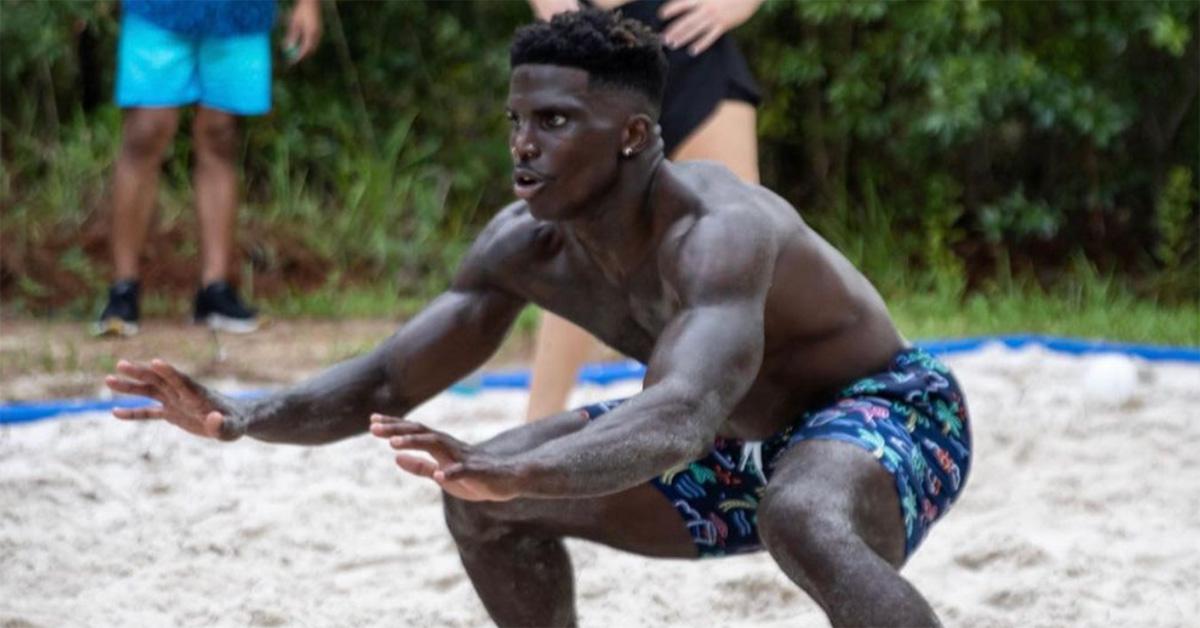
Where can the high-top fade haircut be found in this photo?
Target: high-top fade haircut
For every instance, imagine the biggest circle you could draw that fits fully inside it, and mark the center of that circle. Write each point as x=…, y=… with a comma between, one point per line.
x=615, y=52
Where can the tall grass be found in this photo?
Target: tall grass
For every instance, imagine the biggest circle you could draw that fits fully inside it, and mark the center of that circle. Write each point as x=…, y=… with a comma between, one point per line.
x=368, y=214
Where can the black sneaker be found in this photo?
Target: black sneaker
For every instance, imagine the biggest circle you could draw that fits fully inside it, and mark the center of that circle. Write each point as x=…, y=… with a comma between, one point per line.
x=219, y=307
x=120, y=314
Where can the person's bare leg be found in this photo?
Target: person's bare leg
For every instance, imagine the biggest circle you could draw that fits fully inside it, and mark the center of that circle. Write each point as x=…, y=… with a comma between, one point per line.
x=559, y=351
x=215, y=141
x=514, y=554
x=831, y=520
x=145, y=135
x=727, y=136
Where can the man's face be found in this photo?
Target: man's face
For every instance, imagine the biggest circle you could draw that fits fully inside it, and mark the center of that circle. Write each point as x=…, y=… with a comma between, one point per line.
x=565, y=139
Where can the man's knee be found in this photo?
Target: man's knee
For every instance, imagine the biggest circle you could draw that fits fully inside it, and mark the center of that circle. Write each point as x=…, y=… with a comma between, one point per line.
x=804, y=523
x=146, y=134
x=831, y=497
x=473, y=522
x=215, y=134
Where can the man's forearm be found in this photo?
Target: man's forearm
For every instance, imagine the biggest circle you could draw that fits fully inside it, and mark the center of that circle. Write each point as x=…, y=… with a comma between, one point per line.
x=644, y=437
x=519, y=440
x=331, y=406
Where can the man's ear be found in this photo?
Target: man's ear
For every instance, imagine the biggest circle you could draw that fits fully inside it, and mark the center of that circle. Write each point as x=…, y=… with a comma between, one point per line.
x=640, y=133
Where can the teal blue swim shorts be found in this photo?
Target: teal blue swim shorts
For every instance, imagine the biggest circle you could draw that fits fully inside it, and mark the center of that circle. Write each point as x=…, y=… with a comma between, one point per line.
x=157, y=67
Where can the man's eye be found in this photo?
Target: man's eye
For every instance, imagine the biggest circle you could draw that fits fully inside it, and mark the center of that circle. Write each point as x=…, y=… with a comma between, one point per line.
x=556, y=120
x=512, y=119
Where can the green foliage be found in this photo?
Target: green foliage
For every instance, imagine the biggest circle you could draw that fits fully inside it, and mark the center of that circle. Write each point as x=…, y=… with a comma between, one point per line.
x=1014, y=217
x=952, y=149
x=1177, y=226
x=1022, y=131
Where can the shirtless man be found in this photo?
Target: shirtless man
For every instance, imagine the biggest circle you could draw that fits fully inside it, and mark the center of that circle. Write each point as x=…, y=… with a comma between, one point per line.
x=780, y=409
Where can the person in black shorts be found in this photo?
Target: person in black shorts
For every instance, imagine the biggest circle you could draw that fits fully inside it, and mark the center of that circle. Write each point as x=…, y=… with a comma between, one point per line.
x=708, y=112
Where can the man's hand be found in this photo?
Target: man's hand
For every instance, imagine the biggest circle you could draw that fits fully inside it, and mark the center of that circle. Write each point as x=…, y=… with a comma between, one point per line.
x=185, y=403
x=702, y=22
x=460, y=469
x=304, y=30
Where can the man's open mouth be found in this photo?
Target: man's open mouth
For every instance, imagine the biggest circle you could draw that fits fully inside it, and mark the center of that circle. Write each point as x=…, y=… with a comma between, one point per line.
x=526, y=183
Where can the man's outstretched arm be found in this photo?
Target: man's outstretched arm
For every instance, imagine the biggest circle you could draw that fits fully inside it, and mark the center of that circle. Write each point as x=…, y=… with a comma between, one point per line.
x=451, y=337
x=447, y=340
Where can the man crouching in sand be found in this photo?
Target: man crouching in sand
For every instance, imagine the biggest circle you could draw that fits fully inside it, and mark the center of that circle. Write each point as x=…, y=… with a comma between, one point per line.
x=781, y=408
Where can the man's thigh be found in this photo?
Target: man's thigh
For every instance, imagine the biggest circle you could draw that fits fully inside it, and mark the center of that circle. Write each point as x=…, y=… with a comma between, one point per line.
x=710, y=500
x=832, y=490
x=639, y=520
x=155, y=67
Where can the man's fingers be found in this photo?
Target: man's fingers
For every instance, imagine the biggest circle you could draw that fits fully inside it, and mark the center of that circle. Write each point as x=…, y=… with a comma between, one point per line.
x=128, y=387
x=453, y=472
x=416, y=465
x=213, y=422
x=139, y=372
x=170, y=376
x=422, y=441
x=139, y=414
x=385, y=430
x=308, y=43
x=385, y=418
x=385, y=426
x=304, y=31
x=433, y=444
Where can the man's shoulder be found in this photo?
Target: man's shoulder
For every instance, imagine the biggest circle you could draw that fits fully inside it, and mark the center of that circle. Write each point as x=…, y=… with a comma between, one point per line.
x=728, y=223
x=508, y=242
x=720, y=252
x=509, y=221
x=723, y=197
x=732, y=234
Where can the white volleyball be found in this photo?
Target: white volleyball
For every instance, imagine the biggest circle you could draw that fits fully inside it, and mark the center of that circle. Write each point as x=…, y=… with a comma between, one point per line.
x=1110, y=379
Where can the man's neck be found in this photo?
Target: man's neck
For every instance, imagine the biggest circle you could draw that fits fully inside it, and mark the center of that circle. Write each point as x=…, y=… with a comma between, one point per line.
x=621, y=229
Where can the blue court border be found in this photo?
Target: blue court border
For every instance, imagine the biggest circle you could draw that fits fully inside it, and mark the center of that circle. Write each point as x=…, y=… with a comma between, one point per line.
x=607, y=373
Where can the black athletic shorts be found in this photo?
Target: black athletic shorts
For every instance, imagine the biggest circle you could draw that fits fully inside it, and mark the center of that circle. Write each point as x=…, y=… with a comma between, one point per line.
x=695, y=85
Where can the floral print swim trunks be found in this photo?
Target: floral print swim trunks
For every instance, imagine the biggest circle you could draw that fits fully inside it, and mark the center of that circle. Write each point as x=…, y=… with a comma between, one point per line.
x=912, y=417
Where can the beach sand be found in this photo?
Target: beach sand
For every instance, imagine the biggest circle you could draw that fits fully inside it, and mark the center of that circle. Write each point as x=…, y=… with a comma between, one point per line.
x=1079, y=511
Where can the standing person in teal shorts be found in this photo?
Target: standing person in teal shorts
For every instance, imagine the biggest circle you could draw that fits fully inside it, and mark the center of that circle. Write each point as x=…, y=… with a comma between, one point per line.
x=216, y=55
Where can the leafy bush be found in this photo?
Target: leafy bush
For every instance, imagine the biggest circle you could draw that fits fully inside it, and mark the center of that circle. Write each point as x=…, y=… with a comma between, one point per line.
x=943, y=145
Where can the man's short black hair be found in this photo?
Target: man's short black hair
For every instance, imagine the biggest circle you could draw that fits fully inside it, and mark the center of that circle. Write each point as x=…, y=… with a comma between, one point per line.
x=614, y=52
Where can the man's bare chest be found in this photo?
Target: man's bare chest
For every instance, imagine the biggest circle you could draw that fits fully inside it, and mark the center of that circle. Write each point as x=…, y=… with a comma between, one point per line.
x=628, y=313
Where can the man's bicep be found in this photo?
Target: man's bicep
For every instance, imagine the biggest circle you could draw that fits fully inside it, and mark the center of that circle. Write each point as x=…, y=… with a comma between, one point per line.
x=460, y=329
x=713, y=351
x=451, y=337
x=715, y=343
x=500, y=254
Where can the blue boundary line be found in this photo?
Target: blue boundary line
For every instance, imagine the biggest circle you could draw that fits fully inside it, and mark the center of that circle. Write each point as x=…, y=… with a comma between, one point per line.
x=607, y=373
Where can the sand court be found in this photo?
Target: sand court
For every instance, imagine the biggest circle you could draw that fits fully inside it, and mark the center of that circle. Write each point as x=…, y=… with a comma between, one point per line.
x=1081, y=509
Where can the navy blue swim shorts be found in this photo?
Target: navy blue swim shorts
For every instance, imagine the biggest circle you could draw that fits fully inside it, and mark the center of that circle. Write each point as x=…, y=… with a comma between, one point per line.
x=912, y=417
